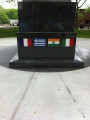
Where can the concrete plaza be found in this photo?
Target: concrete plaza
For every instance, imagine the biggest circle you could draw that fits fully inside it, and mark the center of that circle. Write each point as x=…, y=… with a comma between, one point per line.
x=44, y=94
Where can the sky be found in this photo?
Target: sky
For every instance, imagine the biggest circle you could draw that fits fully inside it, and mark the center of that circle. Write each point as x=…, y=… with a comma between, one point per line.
x=14, y=5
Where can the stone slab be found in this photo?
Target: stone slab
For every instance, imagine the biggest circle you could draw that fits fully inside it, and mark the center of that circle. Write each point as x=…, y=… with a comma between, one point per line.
x=78, y=83
x=48, y=99
x=13, y=84
x=46, y=63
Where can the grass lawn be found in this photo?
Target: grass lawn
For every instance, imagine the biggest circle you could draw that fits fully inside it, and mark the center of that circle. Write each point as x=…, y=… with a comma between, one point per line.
x=83, y=33
x=8, y=32
x=12, y=32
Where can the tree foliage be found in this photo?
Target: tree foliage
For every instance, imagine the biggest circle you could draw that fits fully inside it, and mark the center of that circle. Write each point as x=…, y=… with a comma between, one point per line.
x=3, y=17
x=7, y=14
x=80, y=15
x=87, y=10
x=77, y=10
x=12, y=13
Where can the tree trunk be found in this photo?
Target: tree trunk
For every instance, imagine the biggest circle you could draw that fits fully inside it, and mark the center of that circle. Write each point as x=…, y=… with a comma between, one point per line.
x=76, y=25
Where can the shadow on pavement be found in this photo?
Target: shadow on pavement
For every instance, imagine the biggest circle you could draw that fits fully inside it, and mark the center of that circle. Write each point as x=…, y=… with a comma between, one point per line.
x=84, y=54
x=6, y=54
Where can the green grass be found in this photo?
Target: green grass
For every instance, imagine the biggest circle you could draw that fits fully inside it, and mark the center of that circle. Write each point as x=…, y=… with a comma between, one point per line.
x=8, y=32
x=83, y=33
x=12, y=32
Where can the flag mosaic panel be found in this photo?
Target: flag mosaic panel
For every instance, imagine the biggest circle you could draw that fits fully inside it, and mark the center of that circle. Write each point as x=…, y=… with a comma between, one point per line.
x=50, y=42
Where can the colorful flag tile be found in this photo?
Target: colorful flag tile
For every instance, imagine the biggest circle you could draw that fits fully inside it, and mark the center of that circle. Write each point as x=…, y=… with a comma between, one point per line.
x=63, y=42
x=53, y=42
x=69, y=42
x=21, y=42
x=40, y=42
x=25, y=42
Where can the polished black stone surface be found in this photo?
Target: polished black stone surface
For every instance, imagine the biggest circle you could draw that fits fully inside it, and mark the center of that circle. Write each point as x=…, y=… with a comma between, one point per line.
x=46, y=16
x=46, y=63
x=46, y=52
x=46, y=19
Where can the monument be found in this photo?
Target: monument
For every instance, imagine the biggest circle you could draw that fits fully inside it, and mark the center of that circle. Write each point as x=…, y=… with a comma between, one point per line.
x=46, y=35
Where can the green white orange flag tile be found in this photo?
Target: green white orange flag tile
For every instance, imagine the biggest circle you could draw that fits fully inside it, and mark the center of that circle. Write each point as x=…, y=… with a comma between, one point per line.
x=53, y=42
x=69, y=42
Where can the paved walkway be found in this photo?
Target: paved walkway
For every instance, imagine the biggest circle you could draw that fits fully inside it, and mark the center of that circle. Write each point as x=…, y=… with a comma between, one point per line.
x=43, y=94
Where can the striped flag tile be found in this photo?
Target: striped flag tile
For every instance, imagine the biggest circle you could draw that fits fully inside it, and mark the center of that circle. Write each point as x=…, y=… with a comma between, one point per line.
x=69, y=42
x=25, y=42
x=53, y=42
x=40, y=42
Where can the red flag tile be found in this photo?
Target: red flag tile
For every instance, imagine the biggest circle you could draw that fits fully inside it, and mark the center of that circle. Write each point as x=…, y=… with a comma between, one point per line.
x=71, y=42
x=29, y=42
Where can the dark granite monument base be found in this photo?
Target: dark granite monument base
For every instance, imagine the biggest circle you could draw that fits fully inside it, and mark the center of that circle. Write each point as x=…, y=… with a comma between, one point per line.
x=46, y=63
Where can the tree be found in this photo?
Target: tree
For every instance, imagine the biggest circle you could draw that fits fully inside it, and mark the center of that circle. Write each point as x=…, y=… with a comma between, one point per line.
x=77, y=10
x=12, y=13
x=80, y=16
x=7, y=14
x=10, y=1
x=3, y=17
x=87, y=10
